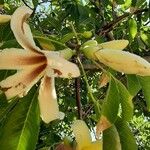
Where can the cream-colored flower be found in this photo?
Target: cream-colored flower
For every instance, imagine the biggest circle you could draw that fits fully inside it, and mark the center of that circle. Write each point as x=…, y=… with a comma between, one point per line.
x=32, y=64
x=110, y=54
x=83, y=137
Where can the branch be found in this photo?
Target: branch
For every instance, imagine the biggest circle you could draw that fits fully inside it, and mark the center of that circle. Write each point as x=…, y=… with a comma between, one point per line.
x=27, y=4
x=109, y=27
x=78, y=97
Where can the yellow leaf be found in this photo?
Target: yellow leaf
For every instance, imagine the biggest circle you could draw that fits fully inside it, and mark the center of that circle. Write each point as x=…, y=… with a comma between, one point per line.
x=102, y=125
x=104, y=79
x=4, y=18
x=45, y=43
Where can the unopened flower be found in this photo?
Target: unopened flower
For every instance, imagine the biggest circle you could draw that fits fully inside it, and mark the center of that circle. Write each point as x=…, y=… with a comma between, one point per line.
x=32, y=64
x=111, y=54
x=83, y=137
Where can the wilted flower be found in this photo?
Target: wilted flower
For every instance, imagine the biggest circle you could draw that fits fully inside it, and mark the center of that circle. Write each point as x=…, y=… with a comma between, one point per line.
x=32, y=64
x=83, y=137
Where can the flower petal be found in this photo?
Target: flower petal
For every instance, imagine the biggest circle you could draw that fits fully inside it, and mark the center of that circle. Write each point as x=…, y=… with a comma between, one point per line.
x=18, y=59
x=4, y=18
x=22, y=30
x=61, y=67
x=82, y=134
x=21, y=82
x=48, y=100
x=115, y=44
x=124, y=62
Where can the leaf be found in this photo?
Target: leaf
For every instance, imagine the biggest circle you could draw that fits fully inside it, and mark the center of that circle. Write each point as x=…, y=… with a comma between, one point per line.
x=145, y=38
x=20, y=131
x=145, y=84
x=104, y=80
x=45, y=43
x=126, y=101
x=5, y=107
x=109, y=108
x=67, y=37
x=126, y=137
x=127, y=4
x=111, y=140
x=132, y=28
x=133, y=84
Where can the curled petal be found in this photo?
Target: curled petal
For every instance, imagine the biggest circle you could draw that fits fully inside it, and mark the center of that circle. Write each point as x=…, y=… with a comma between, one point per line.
x=124, y=62
x=4, y=18
x=115, y=44
x=61, y=67
x=82, y=134
x=18, y=59
x=48, y=100
x=21, y=82
x=22, y=30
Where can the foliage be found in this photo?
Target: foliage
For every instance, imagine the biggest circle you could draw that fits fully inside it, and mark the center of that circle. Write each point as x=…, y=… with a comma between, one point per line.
x=70, y=23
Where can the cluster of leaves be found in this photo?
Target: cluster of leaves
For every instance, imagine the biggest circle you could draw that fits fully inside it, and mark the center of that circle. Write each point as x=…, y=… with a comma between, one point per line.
x=102, y=20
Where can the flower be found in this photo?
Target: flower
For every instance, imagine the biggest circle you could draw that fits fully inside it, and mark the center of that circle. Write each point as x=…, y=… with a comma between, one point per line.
x=83, y=137
x=110, y=54
x=32, y=64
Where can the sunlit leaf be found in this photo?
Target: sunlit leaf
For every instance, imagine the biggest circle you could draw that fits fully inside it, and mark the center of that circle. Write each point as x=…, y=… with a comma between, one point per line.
x=126, y=101
x=110, y=107
x=132, y=28
x=21, y=127
x=126, y=137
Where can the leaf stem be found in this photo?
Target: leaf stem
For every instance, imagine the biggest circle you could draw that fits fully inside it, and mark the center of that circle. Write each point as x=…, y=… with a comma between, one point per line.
x=75, y=33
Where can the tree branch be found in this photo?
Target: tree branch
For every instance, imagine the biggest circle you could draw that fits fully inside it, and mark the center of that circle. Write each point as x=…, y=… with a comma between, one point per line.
x=78, y=97
x=110, y=26
x=27, y=4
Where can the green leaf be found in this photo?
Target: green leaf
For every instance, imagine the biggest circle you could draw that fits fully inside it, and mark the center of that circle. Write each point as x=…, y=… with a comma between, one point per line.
x=20, y=131
x=111, y=103
x=120, y=2
x=133, y=84
x=126, y=137
x=45, y=43
x=1, y=2
x=67, y=37
x=145, y=38
x=5, y=106
x=127, y=4
x=132, y=28
x=111, y=140
x=145, y=83
x=126, y=101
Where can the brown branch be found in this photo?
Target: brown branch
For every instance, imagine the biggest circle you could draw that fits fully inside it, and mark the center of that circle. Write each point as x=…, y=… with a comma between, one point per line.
x=110, y=26
x=78, y=97
x=27, y=4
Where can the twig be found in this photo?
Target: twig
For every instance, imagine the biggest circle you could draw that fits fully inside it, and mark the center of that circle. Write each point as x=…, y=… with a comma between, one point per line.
x=27, y=4
x=109, y=27
x=78, y=97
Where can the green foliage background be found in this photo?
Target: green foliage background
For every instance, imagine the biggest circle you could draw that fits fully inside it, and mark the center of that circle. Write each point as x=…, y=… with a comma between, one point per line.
x=20, y=125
